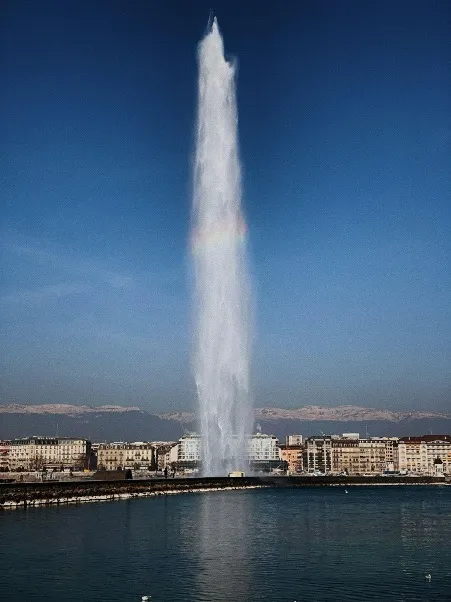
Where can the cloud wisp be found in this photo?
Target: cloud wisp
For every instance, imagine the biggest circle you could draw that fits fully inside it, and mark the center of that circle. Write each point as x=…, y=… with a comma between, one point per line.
x=44, y=293
x=83, y=274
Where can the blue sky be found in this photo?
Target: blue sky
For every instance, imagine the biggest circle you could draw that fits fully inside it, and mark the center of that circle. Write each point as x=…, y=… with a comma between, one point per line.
x=345, y=132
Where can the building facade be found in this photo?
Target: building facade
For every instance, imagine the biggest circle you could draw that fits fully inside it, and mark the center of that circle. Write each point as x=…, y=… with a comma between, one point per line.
x=291, y=440
x=318, y=455
x=263, y=448
x=123, y=456
x=417, y=454
x=292, y=457
x=262, y=451
x=189, y=448
x=38, y=453
x=345, y=456
x=165, y=454
x=187, y=452
x=369, y=456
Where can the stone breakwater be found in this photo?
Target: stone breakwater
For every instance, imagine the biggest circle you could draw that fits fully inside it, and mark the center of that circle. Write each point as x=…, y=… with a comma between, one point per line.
x=24, y=495
x=16, y=495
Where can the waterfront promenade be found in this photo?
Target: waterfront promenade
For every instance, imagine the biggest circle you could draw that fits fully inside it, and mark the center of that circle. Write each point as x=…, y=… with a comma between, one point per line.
x=13, y=495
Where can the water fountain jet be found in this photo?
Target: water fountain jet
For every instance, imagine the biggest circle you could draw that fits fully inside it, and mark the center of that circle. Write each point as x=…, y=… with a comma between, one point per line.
x=222, y=290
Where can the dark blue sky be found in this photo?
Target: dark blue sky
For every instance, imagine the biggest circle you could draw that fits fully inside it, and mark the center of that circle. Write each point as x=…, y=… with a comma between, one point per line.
x=345, y=129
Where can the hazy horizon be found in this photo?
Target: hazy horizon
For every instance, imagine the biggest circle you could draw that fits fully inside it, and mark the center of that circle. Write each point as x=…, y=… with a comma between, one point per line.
x=345, y=137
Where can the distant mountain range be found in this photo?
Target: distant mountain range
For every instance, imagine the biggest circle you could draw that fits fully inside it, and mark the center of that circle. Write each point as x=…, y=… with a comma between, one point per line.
x=314, y=413
x=67, y=410
x=126, y=423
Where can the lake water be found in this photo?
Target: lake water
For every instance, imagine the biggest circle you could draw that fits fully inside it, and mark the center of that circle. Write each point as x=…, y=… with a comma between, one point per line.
x=374, y=543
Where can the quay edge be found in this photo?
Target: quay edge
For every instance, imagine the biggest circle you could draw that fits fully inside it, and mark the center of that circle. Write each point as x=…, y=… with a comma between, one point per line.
x=49, y=493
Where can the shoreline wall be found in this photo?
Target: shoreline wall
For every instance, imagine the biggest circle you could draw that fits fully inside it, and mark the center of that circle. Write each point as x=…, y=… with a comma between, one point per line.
x=49, y=493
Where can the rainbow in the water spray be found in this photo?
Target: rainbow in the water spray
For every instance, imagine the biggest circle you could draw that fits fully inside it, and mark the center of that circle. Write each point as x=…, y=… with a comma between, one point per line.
x=219, y=236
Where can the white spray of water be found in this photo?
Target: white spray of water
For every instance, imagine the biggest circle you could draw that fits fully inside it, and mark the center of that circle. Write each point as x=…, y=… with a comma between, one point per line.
x=221, y=303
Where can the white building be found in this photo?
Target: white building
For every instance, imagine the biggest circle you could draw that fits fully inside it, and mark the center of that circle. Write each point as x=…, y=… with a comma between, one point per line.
x=293, y=440
x=263, y=448
x=260, y=448
x=189, y=448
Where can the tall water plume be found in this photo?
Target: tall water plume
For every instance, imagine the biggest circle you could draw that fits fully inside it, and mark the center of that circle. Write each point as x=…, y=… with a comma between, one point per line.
x=222, y=291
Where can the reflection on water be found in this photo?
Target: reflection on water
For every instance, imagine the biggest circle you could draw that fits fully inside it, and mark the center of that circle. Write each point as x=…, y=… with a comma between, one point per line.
x=375, y=543
x=224, y=546
x=420, y=529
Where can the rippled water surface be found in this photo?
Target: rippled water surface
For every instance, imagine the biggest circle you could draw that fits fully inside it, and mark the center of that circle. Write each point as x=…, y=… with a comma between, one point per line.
x=374, y=543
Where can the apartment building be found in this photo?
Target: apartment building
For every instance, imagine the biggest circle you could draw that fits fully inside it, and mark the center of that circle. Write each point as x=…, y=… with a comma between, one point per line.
x=262, y=451
x=292, y=456
x=121, y=455
x=292, y=440
x=263, y=448
x=165, y=454
x=355, y=456
x=189, y=449
x=345, y=455
x=349, y=454
x=418, y=454
x=5, y=447
x=318, y=454
x=37, y=453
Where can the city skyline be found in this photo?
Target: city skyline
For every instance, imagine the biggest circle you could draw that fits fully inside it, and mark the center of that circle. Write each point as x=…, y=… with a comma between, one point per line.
x=340, y=455
x=345, y=138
